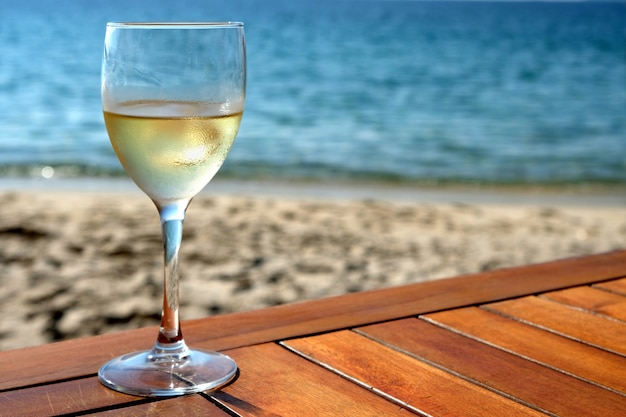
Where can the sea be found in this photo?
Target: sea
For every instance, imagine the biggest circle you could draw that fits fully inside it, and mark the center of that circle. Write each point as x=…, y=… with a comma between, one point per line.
x=404, y=92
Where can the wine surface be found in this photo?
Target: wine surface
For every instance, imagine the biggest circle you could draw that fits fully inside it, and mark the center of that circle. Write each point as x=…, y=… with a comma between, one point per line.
x=172, y=149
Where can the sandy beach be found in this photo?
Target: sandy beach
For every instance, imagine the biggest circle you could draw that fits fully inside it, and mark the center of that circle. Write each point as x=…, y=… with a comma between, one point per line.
x=78, y=261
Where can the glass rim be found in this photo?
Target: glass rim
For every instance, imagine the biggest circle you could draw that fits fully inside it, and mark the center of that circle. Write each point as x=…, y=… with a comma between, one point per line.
x=174, y=25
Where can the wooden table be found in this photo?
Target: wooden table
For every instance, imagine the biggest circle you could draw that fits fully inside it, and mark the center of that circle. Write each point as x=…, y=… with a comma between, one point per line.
x=546, y=339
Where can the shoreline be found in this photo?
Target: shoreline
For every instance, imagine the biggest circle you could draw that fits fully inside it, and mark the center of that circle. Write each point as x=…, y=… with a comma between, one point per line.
x=523, y=195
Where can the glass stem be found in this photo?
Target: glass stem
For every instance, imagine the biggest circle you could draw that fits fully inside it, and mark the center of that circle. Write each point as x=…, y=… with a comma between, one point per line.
x=170, y=341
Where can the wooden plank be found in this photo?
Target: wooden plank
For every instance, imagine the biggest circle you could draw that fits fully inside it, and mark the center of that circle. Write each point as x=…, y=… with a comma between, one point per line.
x=592, y=299
x=530, y=383
x=187, y=406
x=71, y=359
x=46, y=363
x=617, y=286
x=527, y=341
x=62, y=398
x=408, y=381
x=88, y=394
x=276, y=382
x=579, y=325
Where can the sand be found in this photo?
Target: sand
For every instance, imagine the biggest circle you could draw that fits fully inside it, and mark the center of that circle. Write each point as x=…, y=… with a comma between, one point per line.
x=78, y=261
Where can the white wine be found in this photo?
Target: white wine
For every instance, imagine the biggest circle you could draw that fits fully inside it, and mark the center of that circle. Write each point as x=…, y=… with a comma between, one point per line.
x=172, y=149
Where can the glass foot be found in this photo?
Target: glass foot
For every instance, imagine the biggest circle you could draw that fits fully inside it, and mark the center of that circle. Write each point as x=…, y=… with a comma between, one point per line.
x=154, y=374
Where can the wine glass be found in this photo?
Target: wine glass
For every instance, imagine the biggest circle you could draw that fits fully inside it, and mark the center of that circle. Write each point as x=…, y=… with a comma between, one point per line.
x=173, y=98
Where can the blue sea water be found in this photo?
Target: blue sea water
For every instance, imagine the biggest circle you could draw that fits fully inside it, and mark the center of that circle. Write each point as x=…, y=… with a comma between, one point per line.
x=406, y=91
